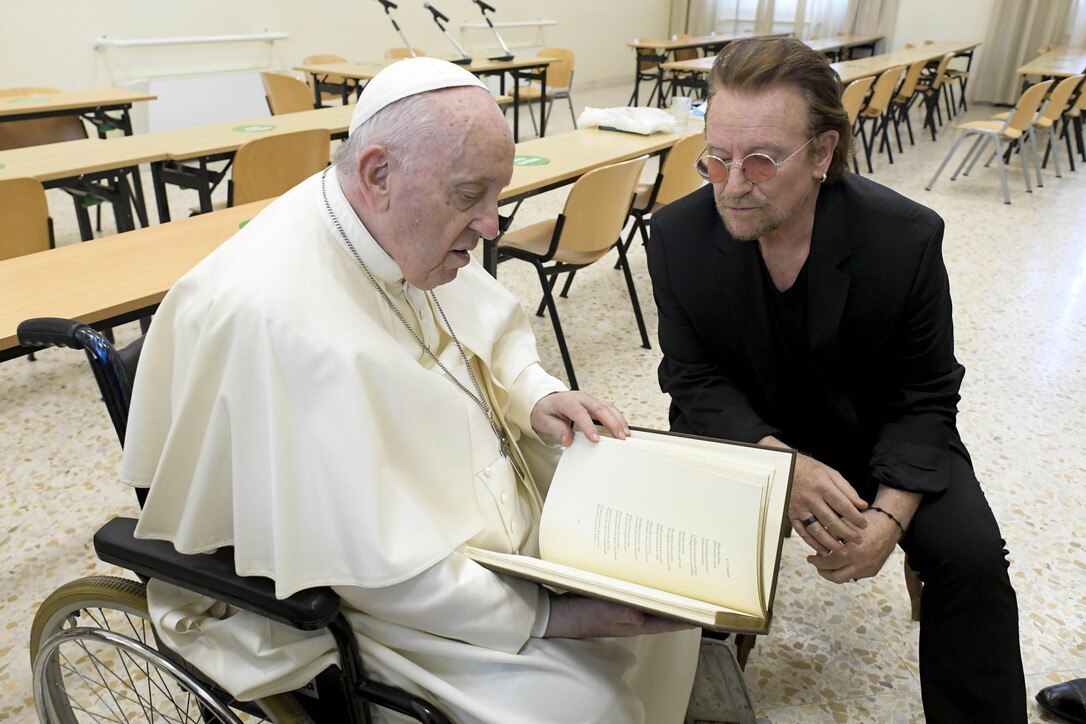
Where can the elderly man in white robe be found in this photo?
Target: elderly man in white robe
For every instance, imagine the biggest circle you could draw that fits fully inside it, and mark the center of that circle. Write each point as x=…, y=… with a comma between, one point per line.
x=344, y=395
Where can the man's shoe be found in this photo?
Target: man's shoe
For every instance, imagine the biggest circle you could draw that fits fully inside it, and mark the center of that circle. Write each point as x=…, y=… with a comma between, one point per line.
x=1066, y=701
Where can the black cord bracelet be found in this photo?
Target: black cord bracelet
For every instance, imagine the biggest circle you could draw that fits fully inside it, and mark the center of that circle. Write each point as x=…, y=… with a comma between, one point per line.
x=891, y=517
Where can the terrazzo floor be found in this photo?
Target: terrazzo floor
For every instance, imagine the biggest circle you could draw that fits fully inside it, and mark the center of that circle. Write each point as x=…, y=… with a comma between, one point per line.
x=836, y=653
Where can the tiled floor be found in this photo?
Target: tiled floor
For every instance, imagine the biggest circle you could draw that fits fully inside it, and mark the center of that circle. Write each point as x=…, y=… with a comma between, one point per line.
x=836, y=653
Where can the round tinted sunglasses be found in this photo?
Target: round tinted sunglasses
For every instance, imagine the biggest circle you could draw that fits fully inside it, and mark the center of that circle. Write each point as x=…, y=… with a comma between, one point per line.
x=757, y=168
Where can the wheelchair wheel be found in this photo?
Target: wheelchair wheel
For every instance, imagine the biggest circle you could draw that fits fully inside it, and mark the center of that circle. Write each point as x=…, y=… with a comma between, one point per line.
x=95, y=658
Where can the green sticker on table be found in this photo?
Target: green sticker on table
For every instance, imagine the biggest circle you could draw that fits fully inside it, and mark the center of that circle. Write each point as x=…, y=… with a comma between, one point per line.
x=530, y=161
x=25, y=99
x=253, y=128
x=1, y=166
x=242, y=224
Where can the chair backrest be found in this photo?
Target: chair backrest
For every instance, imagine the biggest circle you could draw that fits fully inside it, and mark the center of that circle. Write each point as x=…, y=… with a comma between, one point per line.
x=679, y=177
x=560, y=74
x=940, y=72
x=393, y=53
x=852, y=97
x=24, y=218
x=649, y=57
x=1059, y=99
x=684, y=53
x=912, y=77
x=286, y=94
x=1026, y=108
x=330, y=78
x=883, y=92
x=38, y=131
x=597, y=207
x=272, y=165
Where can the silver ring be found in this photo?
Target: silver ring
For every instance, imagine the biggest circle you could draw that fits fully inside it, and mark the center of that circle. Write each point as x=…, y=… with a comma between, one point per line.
x=809, y=521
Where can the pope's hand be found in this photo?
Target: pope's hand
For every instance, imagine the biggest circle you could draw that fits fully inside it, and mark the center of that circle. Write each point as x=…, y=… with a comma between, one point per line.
x=576, y=617
x=557, y=413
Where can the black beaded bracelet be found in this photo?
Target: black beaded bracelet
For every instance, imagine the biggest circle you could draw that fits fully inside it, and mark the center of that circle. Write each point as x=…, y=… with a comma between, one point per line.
x=891, y=517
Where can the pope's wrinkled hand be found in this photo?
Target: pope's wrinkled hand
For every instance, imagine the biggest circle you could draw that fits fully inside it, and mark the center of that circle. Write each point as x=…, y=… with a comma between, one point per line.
x=577, y=617
x=557, y=413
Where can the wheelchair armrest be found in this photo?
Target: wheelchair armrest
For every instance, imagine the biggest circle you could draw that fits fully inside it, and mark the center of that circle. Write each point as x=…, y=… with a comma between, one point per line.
x=213, y=575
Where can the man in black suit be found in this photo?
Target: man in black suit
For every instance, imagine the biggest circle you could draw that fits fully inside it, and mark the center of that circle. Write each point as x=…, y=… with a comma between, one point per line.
x=805, y=307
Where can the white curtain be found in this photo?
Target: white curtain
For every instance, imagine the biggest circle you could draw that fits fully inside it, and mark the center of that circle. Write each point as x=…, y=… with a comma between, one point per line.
x=1076, y=25
x=803, y=18
x=871, y=17
x=1019, y=29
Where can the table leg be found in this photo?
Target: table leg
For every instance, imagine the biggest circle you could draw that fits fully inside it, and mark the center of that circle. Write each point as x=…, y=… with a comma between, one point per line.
x=160, y=192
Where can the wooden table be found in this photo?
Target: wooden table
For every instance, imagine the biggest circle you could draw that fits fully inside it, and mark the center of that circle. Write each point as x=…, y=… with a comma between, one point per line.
x=520, y=68
x=113, y=280
x=569, y=156
x=850, y=70
x=94, y=105
x=839, y=45
x=85, y=163
x=1060, y=62
x=205, y=145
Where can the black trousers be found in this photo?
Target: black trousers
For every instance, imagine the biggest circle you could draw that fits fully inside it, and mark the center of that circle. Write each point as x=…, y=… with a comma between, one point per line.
x=970, y=657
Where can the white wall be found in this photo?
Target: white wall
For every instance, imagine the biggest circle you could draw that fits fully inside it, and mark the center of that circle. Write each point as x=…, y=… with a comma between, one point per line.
x=49, y=42
x=920, y=20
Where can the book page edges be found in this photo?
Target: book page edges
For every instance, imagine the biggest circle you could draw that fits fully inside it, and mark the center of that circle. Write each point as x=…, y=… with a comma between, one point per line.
x=650, y=600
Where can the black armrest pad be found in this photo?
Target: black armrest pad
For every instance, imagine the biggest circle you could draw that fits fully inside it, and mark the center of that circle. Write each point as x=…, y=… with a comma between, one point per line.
x=212, y=575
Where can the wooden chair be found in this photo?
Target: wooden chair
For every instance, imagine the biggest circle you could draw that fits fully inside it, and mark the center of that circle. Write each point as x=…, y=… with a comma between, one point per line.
x=1053, y=109
x=931, y=87
x=853, y=98
x=589, y=226
x=85, y=193
x=393, y=53
x=559, y=84
x=286, y=94
x=676, y=178
x=331, y=87
x=907, y=95
x=272, y=165
x=1073, y=119
x=25, y=227
x=879, y=114
x=648, y=69
x=1015, y=129
x=691, y=84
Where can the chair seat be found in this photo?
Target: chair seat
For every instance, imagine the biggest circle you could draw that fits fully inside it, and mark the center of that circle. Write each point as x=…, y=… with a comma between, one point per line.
x=536, y=239
x=991, y=127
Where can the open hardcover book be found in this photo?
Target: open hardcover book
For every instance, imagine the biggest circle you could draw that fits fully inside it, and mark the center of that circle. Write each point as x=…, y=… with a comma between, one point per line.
x=677, y=526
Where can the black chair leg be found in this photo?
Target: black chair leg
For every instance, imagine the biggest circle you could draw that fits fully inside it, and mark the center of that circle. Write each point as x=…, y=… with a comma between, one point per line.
x=633, y=296
x=548, y=300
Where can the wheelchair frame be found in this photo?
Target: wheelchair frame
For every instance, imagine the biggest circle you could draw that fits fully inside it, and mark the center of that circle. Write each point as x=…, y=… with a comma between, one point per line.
x=211, y=575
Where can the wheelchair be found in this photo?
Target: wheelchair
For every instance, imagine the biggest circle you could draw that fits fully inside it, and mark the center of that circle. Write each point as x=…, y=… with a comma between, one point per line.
x=93, y=649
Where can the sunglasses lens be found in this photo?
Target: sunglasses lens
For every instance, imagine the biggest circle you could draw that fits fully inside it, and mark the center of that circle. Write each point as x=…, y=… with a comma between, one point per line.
x=759, y=168
x=712, y=170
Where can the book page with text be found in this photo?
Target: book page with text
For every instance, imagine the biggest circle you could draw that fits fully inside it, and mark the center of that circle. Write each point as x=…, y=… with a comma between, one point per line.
x=654, y=521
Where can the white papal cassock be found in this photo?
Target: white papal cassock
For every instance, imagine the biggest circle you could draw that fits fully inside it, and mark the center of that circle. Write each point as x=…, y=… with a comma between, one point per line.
x=281, y=407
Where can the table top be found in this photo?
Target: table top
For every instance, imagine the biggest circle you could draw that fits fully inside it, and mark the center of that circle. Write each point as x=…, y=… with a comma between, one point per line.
x=572, y=154
x=365, y=70
x=850, y=70
x=70, y=100
x=187, y=143
x=837, y=42
x=698, y=41
x=1060, y=62
x=68, y=159
x=102, y=279
x=705, y=64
